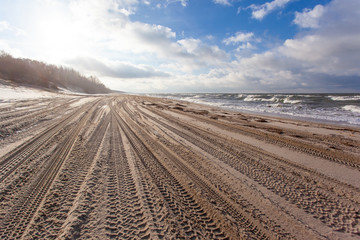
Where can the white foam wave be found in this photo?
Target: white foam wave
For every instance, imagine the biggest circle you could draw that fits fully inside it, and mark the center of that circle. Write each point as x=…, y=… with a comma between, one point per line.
x=288, y=100
x=352, y=108
x=274, y=99
x=285, y=104
x=345, y=98
x=258, y=98
x=251, y=98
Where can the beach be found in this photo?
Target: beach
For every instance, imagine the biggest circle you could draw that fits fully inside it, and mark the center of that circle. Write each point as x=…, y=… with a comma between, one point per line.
x=140, y=167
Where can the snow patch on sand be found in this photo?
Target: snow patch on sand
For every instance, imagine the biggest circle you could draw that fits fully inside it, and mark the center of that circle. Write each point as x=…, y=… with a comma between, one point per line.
x=19, y=93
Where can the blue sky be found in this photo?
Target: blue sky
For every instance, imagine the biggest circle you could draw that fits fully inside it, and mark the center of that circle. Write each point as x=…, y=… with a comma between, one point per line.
x=193, y=45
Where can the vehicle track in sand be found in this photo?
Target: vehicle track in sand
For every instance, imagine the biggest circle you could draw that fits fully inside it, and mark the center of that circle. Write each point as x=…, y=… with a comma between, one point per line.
x=16, y=222
x=33, y=148
x=294, y=183
x=130, y=167
x=269, y=135
x=246, y=224
x=65, y=190
x=125, y=215
x=16, y=121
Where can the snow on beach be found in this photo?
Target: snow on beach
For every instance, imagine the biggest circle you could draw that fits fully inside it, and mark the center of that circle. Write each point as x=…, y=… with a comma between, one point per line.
x=19, y=93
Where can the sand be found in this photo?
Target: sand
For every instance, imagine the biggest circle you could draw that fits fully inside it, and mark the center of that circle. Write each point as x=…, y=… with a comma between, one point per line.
x=136, y=167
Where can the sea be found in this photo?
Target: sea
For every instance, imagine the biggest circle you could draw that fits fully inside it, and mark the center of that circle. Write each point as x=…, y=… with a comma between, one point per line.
x=342, y=109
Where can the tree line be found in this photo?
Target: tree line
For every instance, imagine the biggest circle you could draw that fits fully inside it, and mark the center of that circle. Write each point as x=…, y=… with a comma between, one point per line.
x=38, y=74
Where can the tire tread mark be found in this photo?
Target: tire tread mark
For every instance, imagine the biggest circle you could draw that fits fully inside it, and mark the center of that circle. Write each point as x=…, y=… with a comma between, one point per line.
x=17, y=221
x=243, y=220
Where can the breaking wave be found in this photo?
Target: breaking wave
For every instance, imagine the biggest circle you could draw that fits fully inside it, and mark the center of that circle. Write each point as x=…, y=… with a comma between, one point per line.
x=345, y=98
x=352, y=108
x=338, y=108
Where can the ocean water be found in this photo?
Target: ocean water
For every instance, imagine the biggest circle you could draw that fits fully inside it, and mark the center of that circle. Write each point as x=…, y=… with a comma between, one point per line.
x=341, y=109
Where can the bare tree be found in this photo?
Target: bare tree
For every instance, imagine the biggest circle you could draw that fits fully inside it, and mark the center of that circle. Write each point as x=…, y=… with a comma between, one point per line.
x=38, y=74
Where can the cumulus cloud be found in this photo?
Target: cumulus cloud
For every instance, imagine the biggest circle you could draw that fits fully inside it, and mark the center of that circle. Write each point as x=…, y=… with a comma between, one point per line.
x=117, y=32
x=183, y=3
x=334, y=48
x=4, y=25
x=321, y=59
x=239, y=38
x=96, y=9
x=260, y=11
x=222, y=2
x=309, y=18
x=324, y=59
x=244, y=46
x=116, y=69
x=5, y=45
x=192, y=54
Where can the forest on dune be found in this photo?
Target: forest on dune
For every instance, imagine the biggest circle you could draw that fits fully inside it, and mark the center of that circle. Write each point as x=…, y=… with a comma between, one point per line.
x=27, y=72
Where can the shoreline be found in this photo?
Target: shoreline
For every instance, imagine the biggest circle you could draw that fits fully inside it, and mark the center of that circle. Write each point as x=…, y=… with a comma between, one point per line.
x=279, y=116
x=243, y=105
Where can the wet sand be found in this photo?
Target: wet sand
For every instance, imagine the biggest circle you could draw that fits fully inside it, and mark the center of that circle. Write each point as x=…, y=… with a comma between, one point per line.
x=125, y=167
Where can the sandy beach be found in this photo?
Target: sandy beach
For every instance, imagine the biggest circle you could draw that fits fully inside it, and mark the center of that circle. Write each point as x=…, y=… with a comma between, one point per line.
x=136, y=167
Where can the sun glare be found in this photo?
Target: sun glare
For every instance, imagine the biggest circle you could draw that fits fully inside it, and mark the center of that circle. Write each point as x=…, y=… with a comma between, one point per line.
x=57, y=36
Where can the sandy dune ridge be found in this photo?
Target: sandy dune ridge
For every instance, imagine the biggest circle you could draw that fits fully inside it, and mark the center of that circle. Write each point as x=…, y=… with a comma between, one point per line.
x=125, y=167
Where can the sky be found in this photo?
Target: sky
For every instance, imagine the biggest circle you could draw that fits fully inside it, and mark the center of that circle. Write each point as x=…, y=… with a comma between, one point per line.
x=163, y=46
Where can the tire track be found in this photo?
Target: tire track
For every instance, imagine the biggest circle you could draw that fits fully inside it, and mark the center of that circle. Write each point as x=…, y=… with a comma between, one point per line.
x=26, y=118
x=211, y=227
x=206, y=167
x=341, y=215
x=125, y=218
x=231, y=144
x=34, y=148
x=251, y=131
x=118, y=167
x=58, y=203
x=17, y=220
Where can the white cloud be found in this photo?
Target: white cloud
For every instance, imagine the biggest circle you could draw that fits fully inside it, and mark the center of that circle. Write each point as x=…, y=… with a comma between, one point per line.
x=238, y=10
x=223, y=2
x=4, y=25
x=239, y=37
x=117, y=33
x=210, y=37
x=140, y=57
x=334, y=48
x=245, y=46
x=260, y=11
x=193, y=54
x=325, y=59
x=183, y=3
x=322, y=58
x=190, y=45
x=5, y=46
x=116, y=69
x=309, y=18
x=103, y=28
